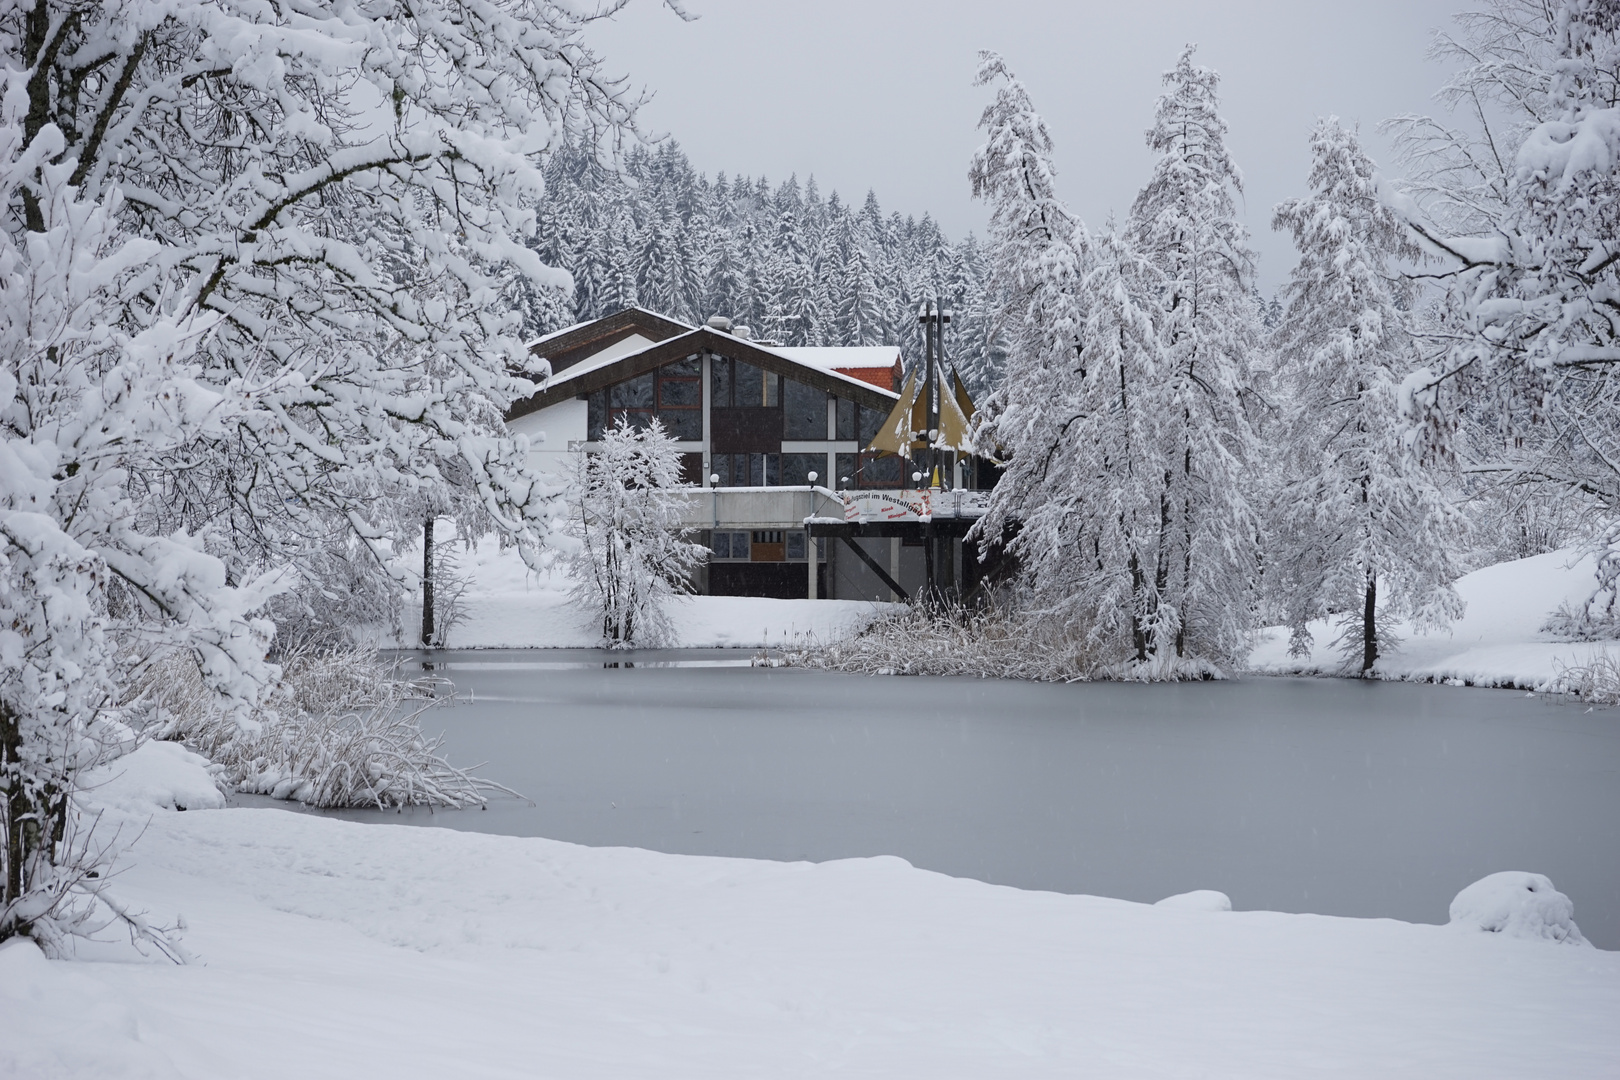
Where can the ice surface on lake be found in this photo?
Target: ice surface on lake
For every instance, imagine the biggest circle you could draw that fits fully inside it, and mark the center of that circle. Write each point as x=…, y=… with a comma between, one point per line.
x=1516, y=904
x=1326, y=796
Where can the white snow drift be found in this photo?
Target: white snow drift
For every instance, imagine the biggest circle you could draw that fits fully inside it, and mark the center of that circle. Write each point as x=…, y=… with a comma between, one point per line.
x=335, y=949
x=1497, y=642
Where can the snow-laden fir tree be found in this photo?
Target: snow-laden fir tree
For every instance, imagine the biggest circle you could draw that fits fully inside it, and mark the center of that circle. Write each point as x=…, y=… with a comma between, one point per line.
x=1184, y=222
x=1360, y=529
x=1525, y=207
x=633, y=557
x=1037, y=257
x=249, y=268
x=1078, y=409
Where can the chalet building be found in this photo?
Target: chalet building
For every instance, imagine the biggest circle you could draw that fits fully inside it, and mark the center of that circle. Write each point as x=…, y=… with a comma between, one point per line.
x=798, y=495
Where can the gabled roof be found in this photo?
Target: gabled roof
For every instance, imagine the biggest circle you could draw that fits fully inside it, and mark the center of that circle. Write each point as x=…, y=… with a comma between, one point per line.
x=588, y=377
x=591, y=337
x=842, y=357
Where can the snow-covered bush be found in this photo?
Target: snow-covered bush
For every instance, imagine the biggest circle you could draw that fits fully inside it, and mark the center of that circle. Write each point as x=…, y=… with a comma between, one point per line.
x=633, y=556
x=338, y=729
x=1597, y=681
x=1517, y=904
x=995, y=641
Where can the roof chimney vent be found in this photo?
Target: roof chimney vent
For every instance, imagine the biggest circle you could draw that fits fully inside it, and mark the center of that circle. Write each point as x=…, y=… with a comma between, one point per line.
x=742, y=332
x=721, y=323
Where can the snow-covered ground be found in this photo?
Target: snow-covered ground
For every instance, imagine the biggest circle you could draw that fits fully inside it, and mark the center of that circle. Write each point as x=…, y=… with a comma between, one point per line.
x=334, y=949
x=1498, y=641
x=509, y=606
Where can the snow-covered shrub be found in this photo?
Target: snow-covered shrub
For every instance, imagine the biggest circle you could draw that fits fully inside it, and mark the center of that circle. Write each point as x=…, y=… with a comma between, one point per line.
x=338, y=729
x=1580, y=622
x=991, y=642
x=633, y=556
x=1597, y=681
x=156, y=775
x=1517, y=904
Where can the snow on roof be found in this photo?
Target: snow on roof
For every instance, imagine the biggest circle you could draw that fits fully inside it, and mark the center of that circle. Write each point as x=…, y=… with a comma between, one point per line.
x=831, y=358
x=877, y=356
x=612, y=354
x=543, y=338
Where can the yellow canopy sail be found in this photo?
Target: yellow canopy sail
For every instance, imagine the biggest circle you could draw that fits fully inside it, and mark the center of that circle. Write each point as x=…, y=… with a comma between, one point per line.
x=910, y=415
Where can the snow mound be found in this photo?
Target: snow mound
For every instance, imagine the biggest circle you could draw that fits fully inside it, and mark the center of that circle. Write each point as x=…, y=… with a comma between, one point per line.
x=1197, y=900
x=156, y=776
x=1517, y=904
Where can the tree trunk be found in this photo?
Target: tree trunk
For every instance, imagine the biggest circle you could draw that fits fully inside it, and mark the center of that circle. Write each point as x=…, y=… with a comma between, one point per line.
x=16, y=804
x=1369, y=626
x=427, y=583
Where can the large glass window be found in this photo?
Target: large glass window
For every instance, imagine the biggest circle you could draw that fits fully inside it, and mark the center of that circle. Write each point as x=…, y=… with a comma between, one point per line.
x=845, y=426
x=870, y=421
x=736, y=384
x=747, y=470
x=674, y=394
x=804, y=412
x=729, y=545
x=680, y=399
x=796, y=468
x=870, y=471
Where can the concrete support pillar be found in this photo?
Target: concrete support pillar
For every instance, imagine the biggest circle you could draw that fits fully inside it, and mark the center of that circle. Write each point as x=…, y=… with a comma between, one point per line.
x=810, y=551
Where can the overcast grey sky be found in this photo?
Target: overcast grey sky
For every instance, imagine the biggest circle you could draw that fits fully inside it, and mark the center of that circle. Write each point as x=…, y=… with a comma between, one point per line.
x=878, y=93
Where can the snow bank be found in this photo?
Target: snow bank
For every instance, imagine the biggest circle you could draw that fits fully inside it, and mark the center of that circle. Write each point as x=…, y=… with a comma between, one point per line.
x=1516, y=904
x=1198, y=900
x=338, y=949
x=156, y=776
x=1497, y=642
x=509, y=607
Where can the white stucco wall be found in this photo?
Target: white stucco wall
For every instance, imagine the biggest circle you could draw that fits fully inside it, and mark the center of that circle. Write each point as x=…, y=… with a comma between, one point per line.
x=550, y=432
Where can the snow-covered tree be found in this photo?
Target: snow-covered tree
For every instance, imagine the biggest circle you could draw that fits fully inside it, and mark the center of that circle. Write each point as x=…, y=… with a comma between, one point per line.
x=1184, y=222
x=633, y=555
x=1037, y=257
x=249, y=263
x=1525, y=207
x=1356, y=519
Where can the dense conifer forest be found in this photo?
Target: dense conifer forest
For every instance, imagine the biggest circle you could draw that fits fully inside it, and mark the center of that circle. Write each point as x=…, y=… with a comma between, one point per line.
x=795, y=266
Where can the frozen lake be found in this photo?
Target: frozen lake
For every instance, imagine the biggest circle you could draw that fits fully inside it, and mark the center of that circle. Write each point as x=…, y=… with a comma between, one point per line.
x=1328, y=796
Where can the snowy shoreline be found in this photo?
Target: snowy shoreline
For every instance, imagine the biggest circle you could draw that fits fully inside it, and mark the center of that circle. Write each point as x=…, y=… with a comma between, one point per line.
x=1498, y=643
x=340, y=948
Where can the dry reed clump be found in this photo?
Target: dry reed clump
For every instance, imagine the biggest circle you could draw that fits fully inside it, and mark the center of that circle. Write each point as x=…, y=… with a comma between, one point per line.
x=1597, y=681
x=991, y=642
x=341, y=729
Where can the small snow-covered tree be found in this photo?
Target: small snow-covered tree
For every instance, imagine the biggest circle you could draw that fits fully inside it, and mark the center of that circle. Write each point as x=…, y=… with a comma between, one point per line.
x=1356, y=519
x=633, y=555
x=1184, y=222
x=249, y=258
x=1526, y=209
